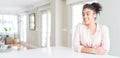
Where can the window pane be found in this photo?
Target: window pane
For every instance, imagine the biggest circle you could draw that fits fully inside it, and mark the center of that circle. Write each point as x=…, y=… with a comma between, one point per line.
x=8, y=24
x=76, y=16
x=1, y=24
x=46, y=28
x=22, y=28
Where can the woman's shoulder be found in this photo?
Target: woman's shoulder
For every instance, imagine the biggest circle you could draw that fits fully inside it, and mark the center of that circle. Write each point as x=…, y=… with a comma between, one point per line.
x=80, y=25
x=103, y=27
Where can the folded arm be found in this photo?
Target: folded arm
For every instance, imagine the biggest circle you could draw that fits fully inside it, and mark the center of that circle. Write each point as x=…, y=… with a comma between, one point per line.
x=99, y=50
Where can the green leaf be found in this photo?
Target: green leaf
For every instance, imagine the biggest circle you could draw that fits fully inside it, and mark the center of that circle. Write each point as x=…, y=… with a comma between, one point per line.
x=5, y=29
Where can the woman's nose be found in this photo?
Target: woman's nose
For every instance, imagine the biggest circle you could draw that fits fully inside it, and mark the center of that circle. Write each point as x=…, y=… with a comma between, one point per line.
x=85, y=16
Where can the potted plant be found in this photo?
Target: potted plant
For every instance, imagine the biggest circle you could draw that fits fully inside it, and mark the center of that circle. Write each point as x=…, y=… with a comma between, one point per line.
x=8, y=39
x=6, y=32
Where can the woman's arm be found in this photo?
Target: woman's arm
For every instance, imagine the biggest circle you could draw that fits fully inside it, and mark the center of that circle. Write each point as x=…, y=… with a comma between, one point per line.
x=76, y=41
x=99, y=50
x=104, y=49
x=105, y=39
x=87, y=50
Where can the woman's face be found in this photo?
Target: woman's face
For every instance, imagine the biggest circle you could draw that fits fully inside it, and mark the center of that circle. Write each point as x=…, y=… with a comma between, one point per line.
x=88, y=16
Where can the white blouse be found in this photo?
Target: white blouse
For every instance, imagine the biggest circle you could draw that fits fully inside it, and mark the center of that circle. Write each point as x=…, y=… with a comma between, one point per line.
x=83, y=38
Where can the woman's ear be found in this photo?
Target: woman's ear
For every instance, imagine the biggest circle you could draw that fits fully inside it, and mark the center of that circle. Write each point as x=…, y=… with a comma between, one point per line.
x=95, y=15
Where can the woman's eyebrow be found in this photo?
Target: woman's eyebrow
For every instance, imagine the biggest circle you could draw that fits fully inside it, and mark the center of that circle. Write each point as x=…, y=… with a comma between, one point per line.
x=88, y=12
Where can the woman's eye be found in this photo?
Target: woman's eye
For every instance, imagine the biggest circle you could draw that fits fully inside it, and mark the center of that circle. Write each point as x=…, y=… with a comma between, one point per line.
x=83, y=15
x=88, y=14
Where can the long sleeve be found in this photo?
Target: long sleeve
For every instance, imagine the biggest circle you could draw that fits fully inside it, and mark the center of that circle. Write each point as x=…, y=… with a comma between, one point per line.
x=106, y=39
x=76, y=41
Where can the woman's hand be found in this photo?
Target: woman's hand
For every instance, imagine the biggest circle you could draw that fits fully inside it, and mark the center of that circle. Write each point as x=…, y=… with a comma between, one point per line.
x=99, y=50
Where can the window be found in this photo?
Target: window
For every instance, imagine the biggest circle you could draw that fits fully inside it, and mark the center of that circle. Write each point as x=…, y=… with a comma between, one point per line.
x=22, y=27
x=76, y=16
x=32, y=21
x=46, y=28
x=8, y=24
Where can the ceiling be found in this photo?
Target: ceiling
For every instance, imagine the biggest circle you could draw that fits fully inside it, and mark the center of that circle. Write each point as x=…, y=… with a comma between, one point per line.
x=13, y=6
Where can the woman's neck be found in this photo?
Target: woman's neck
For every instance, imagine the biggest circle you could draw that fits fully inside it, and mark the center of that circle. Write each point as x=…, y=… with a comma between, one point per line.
x=92, y=27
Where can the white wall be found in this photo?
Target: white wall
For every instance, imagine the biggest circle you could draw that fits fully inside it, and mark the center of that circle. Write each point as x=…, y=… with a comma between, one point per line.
x=111, y=17
x=58, y=11
x=58, y=24
x=32, y=36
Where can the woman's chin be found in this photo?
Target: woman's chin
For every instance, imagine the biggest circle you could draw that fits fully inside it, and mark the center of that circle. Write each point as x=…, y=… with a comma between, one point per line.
x=86, y=23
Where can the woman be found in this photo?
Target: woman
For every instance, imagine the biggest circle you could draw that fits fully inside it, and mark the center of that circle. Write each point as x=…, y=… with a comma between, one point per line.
x=91, y=37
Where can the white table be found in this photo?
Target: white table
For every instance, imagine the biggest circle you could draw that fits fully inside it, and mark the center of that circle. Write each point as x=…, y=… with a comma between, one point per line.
x=54, y=52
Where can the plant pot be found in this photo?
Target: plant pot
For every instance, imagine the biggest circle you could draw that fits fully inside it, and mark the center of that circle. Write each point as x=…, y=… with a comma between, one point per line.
x=15, y=41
